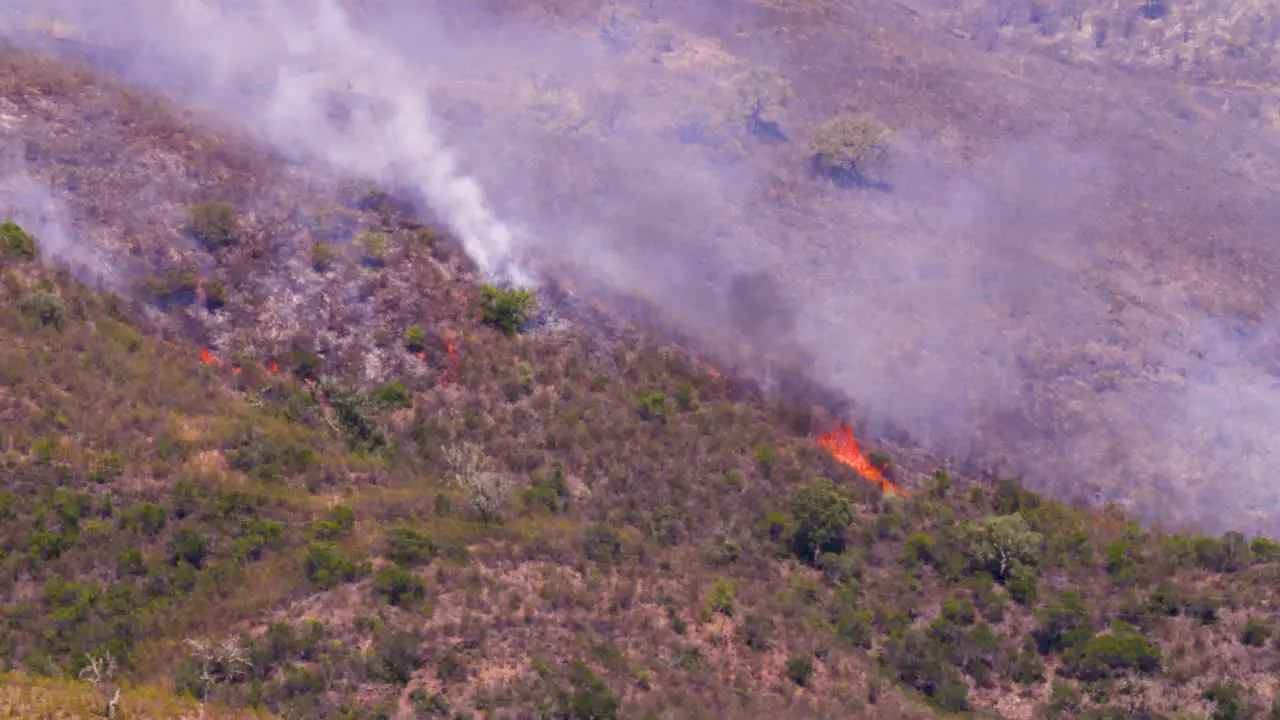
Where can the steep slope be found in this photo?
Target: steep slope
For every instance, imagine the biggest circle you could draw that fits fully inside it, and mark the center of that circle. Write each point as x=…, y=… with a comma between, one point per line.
x=577, y=521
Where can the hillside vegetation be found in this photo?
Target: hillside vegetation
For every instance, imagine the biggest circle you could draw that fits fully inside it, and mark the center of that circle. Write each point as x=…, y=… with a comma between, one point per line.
x=446, y=499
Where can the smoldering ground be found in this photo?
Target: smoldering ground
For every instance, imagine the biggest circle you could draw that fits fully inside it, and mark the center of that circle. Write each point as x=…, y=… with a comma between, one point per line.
x=991, y=307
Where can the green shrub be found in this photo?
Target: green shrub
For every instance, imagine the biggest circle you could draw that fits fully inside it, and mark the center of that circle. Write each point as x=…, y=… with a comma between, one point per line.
x=147, y=518
x=1203, y=608
x=757, y=632
x=428, y=704
x=1028, y=669
x=1064, y=623
x=15, y=242
x=327, y=566
x=850, y=146
x=508, y=309
x=799, y=670
x=408, y=547
x=720, y=598
x=47, y=307
x=591, y=699
x=399, y=586
x=548, y=489
x=374, y=248
x=1121, y=650
x=959, y=611
x=190, y=547
x=1230, y=701
x=215, y=294
x=322, y=257
x=391, y=395
x=215, y=224
x=414, y=339
x=175, y=285
x=1121, y=561
x=821, y=515
x=1255, y=632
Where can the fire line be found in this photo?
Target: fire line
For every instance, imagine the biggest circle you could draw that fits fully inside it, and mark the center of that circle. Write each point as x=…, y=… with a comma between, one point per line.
x=843, y=447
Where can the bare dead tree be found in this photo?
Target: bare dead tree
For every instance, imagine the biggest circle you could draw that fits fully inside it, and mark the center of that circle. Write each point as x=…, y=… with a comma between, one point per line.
x=606, y=107
x=472, y=471
x=218, y=662
x=99, y=673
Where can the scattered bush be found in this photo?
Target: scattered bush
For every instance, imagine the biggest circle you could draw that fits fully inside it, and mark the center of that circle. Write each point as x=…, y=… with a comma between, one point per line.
x=215, y=224
x=850, y=147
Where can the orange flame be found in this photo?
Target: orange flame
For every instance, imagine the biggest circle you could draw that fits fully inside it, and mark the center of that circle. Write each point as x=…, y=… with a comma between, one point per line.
x=452, y=372
x=844, y=448
x=208, y=358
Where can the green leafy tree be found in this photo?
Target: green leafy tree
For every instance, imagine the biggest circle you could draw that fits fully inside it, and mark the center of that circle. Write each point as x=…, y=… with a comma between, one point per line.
x=508, y=309
x=822, y=513
x=998, y=544
x=15, y=241
x=215, y=224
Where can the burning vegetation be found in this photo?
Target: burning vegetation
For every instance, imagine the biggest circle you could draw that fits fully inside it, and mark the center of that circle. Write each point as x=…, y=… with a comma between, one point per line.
x=843, y=447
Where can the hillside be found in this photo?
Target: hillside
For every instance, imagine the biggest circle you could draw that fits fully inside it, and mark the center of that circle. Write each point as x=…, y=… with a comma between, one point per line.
x=272, y=443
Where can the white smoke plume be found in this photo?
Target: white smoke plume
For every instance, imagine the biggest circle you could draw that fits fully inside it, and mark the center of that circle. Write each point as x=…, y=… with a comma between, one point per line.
x=281, y=69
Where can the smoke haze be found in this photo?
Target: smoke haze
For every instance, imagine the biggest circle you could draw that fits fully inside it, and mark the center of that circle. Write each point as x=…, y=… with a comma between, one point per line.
x=1002, y=302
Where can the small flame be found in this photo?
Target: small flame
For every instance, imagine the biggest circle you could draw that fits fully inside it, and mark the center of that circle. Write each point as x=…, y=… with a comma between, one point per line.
x=208, y=358
x=844, y=448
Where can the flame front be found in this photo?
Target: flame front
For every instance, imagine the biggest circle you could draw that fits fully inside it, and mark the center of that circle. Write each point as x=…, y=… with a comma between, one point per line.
x=844, y=448
x=208, y=358
x=453, y=359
